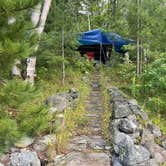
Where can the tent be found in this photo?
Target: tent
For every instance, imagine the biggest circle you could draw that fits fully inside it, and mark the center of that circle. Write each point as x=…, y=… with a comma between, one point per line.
x=100, y=42
x=95, y=41
x=95, y=37
x=119, y=42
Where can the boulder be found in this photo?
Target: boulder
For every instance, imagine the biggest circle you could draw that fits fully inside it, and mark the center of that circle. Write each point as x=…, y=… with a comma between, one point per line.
x=59, y=102
x=160, y=154
x=122, y=142
x=73, y=93
x=42, y=143
x=25, y=158
x=115, y=161
x=135, y=136
x=132, y=102
x=127, y=126
x=114, y=92
x=136, y=109
x=129, y=154
x=147, y=140
x=24, y=142
x=114, y=125
x=154, y=130
x=121, y=111
x=132, y=118
x=164, y=144
x=133, y=156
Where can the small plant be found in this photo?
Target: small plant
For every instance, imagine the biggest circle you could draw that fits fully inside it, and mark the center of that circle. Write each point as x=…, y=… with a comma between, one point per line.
x=34, y=120
x=16, y=92
x=106, y=116
x=9, y=133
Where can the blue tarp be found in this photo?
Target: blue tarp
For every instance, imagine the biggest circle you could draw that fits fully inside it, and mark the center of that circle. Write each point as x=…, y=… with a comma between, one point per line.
x=95, y=37
x=119, y=42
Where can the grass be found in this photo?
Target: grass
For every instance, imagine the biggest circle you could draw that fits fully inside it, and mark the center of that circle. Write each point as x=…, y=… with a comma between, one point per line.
x=106, y=105
x=74, y=119
x=123, y=77
x=24, y=108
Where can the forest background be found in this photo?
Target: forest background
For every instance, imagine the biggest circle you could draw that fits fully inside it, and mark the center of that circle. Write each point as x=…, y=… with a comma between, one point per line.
x=59, y=66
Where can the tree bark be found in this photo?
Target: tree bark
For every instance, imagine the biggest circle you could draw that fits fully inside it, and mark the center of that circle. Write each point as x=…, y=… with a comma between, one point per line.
x=114, y=8
x=38, y=18
x=138, y=40
x=63, y=58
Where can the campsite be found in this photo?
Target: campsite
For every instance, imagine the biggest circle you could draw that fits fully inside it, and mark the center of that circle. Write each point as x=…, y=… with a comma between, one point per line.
x=82, y=83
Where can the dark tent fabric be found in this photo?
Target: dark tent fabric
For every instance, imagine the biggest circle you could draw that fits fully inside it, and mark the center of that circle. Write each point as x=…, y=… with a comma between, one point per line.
x=98, y=37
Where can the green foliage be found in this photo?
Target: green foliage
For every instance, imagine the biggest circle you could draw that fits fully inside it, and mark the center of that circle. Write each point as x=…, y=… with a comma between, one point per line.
x=16, y=5
x=155, y=77
x=34, y=120
x=9, y=132
x=21, y=112
x=15, y=93
x=16, y=38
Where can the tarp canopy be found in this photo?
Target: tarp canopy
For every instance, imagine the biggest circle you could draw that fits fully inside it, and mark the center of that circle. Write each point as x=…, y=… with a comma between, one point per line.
x=119, y=42
x=94, y=37
x=98, y=37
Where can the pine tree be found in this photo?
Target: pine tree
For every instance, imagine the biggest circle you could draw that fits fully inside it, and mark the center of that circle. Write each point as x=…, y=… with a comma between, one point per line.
x=16, y=41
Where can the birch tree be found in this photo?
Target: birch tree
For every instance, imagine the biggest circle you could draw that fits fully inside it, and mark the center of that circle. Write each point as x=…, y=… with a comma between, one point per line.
x=38, y=18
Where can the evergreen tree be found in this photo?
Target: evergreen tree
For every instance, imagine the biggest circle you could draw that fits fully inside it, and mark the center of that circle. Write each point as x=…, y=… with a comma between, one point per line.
x=16, y=41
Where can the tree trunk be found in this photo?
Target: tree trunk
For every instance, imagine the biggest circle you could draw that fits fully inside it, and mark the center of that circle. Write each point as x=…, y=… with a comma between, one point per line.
x=38, y=19
x=114, y=8
x=16, y=71
x=138, y=40
x=63, y=58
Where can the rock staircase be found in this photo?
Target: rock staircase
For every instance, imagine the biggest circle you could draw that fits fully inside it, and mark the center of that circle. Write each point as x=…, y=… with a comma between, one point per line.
x=90, y=149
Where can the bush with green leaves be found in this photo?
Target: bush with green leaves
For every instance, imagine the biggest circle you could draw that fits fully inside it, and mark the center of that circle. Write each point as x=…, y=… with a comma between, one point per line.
x=17, y=39
x=154, y=78
x=34, y=120
x=8, y=132
x=16, y=92
x=153, y=85
x=21, y=112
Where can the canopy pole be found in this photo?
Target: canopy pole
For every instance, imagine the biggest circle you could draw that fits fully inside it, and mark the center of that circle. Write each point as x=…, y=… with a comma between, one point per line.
x=100, y=51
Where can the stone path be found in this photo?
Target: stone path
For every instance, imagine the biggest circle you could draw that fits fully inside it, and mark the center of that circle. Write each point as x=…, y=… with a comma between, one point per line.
x=90, y=149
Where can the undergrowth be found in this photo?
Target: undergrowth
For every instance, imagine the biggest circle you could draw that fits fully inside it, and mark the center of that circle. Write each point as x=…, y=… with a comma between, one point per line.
x=23, y=111
x=148, y=89
x=74, y=119
x=106, y=105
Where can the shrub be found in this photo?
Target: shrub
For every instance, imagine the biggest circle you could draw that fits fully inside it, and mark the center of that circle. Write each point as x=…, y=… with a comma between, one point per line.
x=14, y=93
x=34, y=120
x=8, y=133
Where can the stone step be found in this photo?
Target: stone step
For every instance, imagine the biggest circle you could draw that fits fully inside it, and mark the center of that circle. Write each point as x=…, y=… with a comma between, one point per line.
x=92, y=115
x=83, y=159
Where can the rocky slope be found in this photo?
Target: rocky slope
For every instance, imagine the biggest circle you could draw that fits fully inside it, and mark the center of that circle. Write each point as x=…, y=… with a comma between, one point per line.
x=135, y=139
